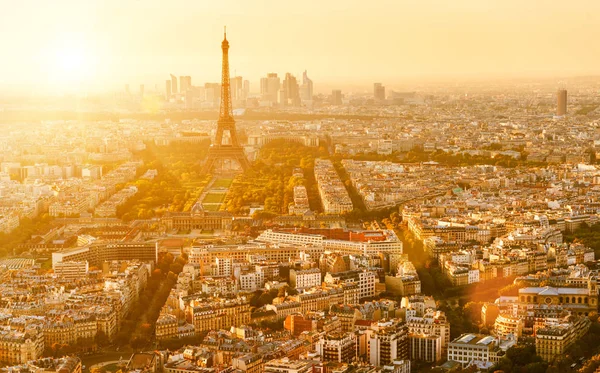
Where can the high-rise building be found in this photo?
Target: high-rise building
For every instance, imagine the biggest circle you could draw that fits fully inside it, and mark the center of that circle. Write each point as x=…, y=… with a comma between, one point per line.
x=212, y=92
x=237, y=86
x=388, y=341
x=336, y=97
x=168, y=89
x=141, y=90
x=290, y=91
x=269, y=88
x=173, y=84
x=246, y=89
x=189, y=99
x=127, y=88
x=185, y=83
x=379, y=91
x=264, y=88
x=561, y=102
x=306, y=91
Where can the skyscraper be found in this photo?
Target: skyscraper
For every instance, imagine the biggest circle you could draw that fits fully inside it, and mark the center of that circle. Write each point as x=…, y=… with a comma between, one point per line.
x=236, y=87
x=173, y=84
x=306, y=91
x=561, y=102
x=290, y=91
x=212, y=92
x=168, y=89
x=379, y=91
x=336, y=97
x=246, y=89
x=269, y=88
x=185, y=83
x=141, y=90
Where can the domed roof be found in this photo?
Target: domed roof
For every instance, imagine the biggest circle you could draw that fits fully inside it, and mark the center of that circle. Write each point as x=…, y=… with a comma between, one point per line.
x=198, y=208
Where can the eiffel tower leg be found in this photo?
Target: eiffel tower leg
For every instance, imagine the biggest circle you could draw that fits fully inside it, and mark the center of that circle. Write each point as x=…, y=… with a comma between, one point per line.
x=209, y=164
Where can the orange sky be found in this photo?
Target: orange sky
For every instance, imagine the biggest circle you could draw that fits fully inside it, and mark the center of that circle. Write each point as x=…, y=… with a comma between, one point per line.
x=92, y=45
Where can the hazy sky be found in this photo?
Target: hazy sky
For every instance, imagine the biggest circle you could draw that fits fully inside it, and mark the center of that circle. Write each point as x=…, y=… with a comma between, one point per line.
x=55, y=44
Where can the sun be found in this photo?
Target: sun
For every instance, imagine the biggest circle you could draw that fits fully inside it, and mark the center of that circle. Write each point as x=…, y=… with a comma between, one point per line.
x=71, y=60
x=70, y=63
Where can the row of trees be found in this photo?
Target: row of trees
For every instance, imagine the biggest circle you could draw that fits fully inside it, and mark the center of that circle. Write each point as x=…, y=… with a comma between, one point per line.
x=177, y=185
x=586, y=234
x=270, y=181
x=138, y=327
x=10, y=242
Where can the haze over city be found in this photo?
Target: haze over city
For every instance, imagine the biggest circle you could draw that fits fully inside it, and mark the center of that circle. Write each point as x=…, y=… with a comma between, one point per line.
x=299, y=186
x=69, y=46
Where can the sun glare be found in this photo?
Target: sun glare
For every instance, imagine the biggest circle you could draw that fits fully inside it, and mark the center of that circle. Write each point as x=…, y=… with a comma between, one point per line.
x=70, y=62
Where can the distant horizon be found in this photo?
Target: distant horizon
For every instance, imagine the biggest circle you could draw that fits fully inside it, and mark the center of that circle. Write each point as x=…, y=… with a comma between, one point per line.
x=399, y=84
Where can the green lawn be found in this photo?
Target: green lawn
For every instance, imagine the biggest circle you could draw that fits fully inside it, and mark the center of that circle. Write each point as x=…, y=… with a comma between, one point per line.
x=214, y=198
x=211, y=207
x=222, y=183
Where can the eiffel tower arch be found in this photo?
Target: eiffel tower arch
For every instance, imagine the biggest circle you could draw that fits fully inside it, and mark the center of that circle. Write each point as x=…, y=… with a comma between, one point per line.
x=220, y=152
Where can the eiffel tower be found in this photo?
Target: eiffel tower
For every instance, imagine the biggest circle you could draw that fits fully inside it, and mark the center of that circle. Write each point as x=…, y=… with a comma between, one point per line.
x=219, y=152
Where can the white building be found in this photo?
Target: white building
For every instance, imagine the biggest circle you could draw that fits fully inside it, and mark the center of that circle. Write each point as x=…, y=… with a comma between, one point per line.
x=223, y=266
x=471, y=347
x=302, y=279
x=251, y=281
x=71, y=270
x=473, y=276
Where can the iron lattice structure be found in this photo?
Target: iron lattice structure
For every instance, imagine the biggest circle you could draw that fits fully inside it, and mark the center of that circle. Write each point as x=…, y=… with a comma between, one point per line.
x=220, y=152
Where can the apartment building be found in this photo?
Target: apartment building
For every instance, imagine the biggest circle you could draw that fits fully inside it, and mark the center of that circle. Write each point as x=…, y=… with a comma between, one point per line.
x=556, y=338
x=302, y=279
x=215, y=314
x=388, y=341
x=18, y=347
x=248, y=363
x=71, y=270
x=432, y=323
x=365, y=280
x=425, y=347
x=334, y=196
x=338, y=347
x=166, y=326
x=287, y=365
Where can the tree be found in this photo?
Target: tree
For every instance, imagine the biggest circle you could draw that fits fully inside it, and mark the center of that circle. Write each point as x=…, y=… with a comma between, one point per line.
x=473, y=311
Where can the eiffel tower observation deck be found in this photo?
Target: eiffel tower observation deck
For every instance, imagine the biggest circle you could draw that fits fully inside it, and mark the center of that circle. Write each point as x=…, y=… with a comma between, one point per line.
x=220, y=153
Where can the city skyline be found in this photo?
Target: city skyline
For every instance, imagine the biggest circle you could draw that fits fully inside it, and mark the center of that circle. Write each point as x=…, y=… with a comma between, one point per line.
x=99, y=46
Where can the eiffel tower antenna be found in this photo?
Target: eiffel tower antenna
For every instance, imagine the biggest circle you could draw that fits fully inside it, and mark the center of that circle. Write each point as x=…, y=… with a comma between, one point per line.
x=219, y=152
